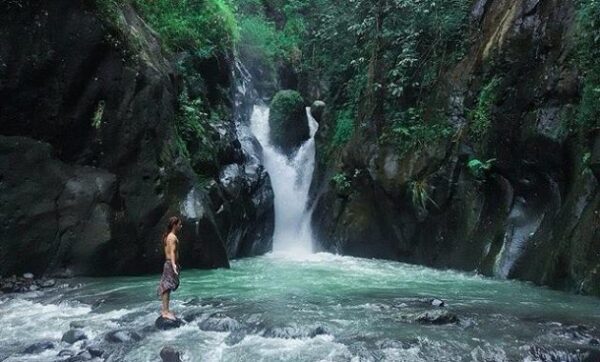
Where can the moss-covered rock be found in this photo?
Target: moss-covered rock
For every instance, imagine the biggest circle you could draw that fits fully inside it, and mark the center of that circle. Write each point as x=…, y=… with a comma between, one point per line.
x=287, y=121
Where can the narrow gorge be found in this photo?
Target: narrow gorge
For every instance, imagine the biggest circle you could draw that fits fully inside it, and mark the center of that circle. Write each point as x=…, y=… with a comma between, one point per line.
x=364, y=180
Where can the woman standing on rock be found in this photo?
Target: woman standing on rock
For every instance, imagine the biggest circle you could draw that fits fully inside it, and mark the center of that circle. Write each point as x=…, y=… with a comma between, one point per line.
x=169, y=281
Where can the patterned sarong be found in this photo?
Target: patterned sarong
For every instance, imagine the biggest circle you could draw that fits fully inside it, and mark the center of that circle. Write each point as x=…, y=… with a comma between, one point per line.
x=169, y=282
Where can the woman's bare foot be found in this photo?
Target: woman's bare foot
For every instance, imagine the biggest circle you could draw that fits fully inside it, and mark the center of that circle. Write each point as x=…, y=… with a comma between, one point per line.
x=169, y=315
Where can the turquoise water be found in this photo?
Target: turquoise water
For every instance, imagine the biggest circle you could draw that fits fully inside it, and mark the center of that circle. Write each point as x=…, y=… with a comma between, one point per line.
x=321, y=308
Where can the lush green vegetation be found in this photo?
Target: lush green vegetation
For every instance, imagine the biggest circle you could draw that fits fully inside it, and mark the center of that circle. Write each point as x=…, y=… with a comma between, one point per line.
x=204, y=25
x=409, y=130
x=344, y=127
x=386, y=57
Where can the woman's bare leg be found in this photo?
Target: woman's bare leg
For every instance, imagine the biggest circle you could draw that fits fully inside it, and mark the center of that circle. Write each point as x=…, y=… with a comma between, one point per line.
x=164, y=310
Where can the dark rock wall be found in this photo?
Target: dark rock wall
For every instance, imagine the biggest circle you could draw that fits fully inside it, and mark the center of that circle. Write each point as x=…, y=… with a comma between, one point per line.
x=535, y=215
x=87, y=172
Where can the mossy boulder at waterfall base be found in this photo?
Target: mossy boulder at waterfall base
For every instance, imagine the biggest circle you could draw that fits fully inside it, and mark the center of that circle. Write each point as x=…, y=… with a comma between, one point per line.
x=287, y=121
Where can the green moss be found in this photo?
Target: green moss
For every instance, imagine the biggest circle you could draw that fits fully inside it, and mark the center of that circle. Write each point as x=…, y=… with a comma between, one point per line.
x=287, y=120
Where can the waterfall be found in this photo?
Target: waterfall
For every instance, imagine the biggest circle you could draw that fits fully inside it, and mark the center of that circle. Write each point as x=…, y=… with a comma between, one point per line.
x=290, y=177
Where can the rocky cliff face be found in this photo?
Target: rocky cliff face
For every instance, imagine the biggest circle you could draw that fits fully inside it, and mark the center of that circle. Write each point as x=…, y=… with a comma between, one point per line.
x=89, y=168
x=521, y=200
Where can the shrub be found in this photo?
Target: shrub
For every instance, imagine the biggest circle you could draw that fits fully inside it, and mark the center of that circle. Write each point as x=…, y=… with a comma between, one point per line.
x=409, y=131
x=419, y=192
x=481, y=116
x=479, y=168
x=342, y=184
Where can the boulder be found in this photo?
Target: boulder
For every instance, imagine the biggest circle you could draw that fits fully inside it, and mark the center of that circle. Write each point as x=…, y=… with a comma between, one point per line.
x=122, y=336
x=437, y=317
x=317, y=109
x=39, y=347
x=235, y=337
x=48, y=283
x=95, y=351
x=219, y=323
x=73, y=336
x=166, y=323
x=295, y=332
x=169, y=354
x=66, y=353
x=76, y=325
x=437, y=302
x=287, y=121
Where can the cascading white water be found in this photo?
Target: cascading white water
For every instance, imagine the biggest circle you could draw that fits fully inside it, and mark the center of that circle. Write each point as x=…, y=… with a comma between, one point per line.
x=290, y=178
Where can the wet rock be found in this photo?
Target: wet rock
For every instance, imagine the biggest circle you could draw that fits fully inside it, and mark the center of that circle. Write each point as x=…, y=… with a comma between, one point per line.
x=33, y=288
x=95, y=351
x=169, y=354
x=73, y=336
x=231, y=180
x=317, y=109
x=28, y=276
x=219, y=323
x=39, y=347
x=193, y=315
x=235, y=337
x=166, y=323
x=553, y=355
x=437, y=317
x=295, y=332
x=7, y=287
x=577, y=334
x=122, y=336
x=66, y=353
x=437, y=303
x=76, y=325
x=81, y=356
x=192, y=302
x=48, y=283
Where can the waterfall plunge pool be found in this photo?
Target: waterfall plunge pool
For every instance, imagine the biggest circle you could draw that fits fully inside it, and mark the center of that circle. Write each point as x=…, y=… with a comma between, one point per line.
x=320, y=308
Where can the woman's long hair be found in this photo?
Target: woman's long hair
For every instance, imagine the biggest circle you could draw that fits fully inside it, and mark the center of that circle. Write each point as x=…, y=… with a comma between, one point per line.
x=173, y=221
